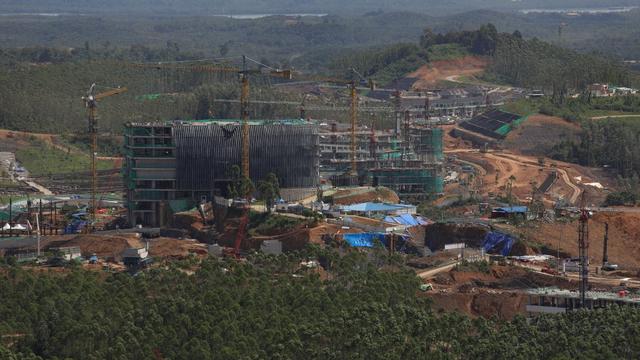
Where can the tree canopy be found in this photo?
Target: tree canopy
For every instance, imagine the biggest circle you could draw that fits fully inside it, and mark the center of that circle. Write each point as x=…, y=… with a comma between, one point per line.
x=367, y=308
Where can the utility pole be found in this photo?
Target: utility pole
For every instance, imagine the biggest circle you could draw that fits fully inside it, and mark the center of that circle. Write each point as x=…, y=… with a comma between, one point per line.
x=38, y=232
x=558, y=255
x=354, y=121
x=10, y=217
x=583, y=246
x=605, y=256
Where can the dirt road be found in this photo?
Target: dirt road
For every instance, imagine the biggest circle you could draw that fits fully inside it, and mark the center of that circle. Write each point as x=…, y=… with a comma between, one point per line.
x=39, y=187
x=520, y=160
x=615, y=116
x=507, y=164
x=427, y=274
x=608, y=281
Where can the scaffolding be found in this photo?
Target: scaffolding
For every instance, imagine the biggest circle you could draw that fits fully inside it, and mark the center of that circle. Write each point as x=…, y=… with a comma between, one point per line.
x=418, y=182
x=427, y=143
x=175, y=165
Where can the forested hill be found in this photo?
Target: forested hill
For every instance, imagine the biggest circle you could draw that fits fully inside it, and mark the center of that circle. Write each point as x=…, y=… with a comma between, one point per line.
x=529, y=63
x=305, y=39
x=211, y=7
x=47, y=97
x=363, y=306
x=59, y=77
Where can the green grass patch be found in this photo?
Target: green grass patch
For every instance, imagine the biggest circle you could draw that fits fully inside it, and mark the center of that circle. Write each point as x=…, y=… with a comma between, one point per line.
x=8, y=184
x=477, y=266
x=598, y=112
x=522, y=107
x=107, y=145
x=41, y=159
x=446, y=52
x=271, y=224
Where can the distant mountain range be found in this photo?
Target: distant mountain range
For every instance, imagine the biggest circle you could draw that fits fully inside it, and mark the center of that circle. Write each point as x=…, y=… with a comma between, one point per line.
x=338, y=7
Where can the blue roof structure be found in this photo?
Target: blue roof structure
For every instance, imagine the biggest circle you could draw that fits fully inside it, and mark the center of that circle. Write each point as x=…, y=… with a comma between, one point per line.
x=363, y=239
x=512, y=209
x=406, y=219
x=374, y=207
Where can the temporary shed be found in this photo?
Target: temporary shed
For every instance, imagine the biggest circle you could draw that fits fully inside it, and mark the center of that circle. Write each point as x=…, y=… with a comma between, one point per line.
x=502, y=212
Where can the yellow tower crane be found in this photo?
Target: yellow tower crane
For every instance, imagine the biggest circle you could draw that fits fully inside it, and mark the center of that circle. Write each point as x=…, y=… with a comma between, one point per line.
x=244, y=73
x=91, y=103
x=353, y=87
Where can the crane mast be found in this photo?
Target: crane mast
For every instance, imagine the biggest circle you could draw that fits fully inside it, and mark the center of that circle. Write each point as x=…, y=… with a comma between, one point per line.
x=354, y=123
x=93, y=131
x=244, y=105
x=244, y=74
x=583, y=247
x=91, y=103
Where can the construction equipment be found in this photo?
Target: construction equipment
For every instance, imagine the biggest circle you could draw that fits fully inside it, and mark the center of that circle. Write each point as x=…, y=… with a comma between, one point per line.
x=244, y=73
x=91, y=103
x=353, y=87
x=606, y=266
x=583, y=247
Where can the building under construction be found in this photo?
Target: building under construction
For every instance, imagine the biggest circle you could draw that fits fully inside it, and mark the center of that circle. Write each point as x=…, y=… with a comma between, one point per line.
x=407, y=160
x=171, y=166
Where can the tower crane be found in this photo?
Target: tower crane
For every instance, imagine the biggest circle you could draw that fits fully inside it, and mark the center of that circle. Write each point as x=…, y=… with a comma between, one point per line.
x=353, y=87
x=91, y=103
x=244, y=74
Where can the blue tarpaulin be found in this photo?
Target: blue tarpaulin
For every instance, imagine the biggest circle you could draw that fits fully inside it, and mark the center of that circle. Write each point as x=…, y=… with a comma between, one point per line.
x=511, y=209
x=406, y=219
x=363, y=239
x=75, y=226
x=375, y=207
x=493, y=240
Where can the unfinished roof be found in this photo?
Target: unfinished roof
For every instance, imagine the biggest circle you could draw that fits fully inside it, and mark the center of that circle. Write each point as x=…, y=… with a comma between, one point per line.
x=375, y=207
x=493, y=123
x=219, y=122
x=593, y=295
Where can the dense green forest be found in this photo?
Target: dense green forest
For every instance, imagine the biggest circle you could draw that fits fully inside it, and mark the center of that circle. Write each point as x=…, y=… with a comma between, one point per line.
x=514, y=60
x=607, y=142
x=534, y=63
x=47, y=98
x=55, y=59
x=301, y=40
x=369, y=307
x=59, y=77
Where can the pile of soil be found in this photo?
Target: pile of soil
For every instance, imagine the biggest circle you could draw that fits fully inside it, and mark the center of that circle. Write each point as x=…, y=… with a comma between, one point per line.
x=191, y=222
x=173, y=248
x=361, y=195
x=624, y=247
x=539, y=133
x=428, y=76
x=101, y=245
x=481, y=304
x=496, y=293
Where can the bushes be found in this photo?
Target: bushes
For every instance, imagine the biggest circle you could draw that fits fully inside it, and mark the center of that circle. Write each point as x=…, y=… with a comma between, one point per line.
x=271, y=224
x=620, y=198
x=475, y=266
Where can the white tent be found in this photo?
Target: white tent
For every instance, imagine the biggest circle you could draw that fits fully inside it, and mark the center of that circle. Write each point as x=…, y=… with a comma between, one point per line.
x=15, y=227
